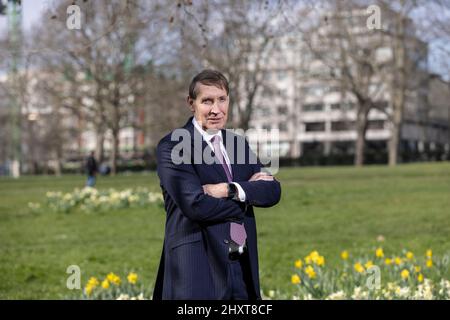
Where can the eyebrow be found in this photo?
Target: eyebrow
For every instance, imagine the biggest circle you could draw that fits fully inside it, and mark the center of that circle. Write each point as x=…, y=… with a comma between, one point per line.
x=212, y=98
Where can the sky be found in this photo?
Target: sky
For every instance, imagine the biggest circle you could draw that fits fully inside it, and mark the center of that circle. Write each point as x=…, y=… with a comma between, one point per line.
x=32, y=10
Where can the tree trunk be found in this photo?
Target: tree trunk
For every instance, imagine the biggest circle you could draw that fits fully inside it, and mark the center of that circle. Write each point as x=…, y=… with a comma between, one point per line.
x=399, y=89
x=58, y=168
x=361, y=129
x=394, y=141
x=359, y=148
x=58, y=161
x=99, y=146
x=115, y=151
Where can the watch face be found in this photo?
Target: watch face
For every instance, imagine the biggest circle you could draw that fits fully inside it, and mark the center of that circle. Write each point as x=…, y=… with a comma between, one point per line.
x=231, y=190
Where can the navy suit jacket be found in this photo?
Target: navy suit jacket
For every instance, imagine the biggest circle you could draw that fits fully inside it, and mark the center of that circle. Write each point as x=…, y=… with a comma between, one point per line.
x=194, y=258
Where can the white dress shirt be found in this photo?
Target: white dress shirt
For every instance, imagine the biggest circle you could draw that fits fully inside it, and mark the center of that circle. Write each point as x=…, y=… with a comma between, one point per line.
x=207, y=137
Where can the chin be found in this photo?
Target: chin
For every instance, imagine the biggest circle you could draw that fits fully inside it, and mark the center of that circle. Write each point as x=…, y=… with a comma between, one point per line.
x=216, y=126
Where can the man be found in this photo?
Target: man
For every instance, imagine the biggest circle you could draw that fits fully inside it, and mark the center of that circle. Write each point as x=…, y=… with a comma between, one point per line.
x=210, y=249
x=91, y=169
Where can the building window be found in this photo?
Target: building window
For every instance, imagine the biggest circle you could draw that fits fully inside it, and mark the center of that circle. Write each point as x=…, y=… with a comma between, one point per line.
x=342, y=147
x=382, y=105
x=266, y=127
x=376, y=125
x=346, y=106
x=282, y=93
x=268, y=93
x=283, y=127
x=315, y=90
x=312, y=148
x=261, y=111
x=282, y=110
x=281, y=75
x=342, y=126
x=265, y=112
x=314, y=126
x=313, y=107
x=335, y=106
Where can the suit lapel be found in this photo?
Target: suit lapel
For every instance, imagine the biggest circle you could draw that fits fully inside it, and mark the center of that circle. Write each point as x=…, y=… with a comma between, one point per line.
x=204, y=145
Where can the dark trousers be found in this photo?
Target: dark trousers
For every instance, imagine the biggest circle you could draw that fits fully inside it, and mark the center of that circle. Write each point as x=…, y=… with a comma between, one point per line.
x=240, y=285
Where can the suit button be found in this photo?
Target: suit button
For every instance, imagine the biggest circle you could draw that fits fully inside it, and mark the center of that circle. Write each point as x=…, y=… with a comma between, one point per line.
x=226, y=241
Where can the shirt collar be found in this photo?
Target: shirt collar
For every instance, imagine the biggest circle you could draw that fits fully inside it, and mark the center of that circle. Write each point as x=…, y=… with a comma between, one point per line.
x=206, y=136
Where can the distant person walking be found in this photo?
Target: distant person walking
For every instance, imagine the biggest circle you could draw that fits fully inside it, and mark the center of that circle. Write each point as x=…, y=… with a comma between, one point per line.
x=91, y=169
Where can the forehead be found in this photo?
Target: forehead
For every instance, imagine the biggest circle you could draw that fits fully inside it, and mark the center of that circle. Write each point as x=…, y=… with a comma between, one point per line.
x=210, y=91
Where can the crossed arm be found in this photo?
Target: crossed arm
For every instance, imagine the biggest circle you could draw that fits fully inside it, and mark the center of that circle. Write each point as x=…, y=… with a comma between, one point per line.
x=207, y=203
x=261, y=190
x=220, y=190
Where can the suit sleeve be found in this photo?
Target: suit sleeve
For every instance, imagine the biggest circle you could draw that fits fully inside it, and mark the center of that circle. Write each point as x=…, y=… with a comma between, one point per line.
x=261, y=193
x=183, y=185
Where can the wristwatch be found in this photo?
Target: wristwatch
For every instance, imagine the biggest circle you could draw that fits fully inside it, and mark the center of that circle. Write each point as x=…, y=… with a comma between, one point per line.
x=232, y=191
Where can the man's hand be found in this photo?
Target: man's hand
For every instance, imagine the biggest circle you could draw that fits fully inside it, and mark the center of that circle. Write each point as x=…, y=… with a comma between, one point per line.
x=261, y=176
x=219, y=190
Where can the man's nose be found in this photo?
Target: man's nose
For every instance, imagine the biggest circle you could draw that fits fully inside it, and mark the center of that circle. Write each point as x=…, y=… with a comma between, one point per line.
x=215, y=108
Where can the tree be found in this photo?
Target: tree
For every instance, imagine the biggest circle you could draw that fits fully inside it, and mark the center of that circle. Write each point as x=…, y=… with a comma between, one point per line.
x=235, y=37
x=97, y=73
x=348, y=56
x=403, y=67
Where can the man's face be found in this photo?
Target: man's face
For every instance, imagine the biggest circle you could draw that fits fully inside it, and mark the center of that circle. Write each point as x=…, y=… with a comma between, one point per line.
x=210, y=107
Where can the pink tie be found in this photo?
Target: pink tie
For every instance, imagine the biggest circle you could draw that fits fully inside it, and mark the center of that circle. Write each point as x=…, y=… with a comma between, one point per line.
x=237, y=231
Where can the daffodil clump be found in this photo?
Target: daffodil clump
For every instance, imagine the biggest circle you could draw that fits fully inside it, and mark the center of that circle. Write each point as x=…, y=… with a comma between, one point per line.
x=402, y=276
x=114, y=287
x=92, y=200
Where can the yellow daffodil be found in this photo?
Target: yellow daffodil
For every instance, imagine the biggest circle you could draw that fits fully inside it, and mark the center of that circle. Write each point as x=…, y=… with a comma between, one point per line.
x=309, y=270
x=88, y=290
x=409, y=255
x=308, y=259
x=91, y=285
x=420, y=277
x=110, y=276
x=295, y=279
x=429, y=253
x=417, y=269
x=398, y=261
x=405, y=274
x=314, y=256
x=320, y=261
x=113, y=278
x=344, y=255
x=429, y=263
x=358, y=267
x=388, y=261
x=93, y=282
x=368, y=264
x=379, y=253
x=298, y=263
x=132, y=278
x=105, y=284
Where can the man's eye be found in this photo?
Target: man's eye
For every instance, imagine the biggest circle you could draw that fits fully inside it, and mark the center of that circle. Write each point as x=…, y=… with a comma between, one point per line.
x=222, y=99
x=208, y=101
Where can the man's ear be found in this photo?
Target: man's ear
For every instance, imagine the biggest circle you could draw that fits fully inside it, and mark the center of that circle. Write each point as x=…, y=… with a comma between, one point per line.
x=190, y=103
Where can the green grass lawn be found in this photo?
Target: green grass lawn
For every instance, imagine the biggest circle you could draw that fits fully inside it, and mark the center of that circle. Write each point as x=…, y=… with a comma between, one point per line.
x=327, y=209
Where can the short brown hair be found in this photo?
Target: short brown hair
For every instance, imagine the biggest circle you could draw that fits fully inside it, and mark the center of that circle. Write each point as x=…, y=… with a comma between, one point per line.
x=208, y=77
